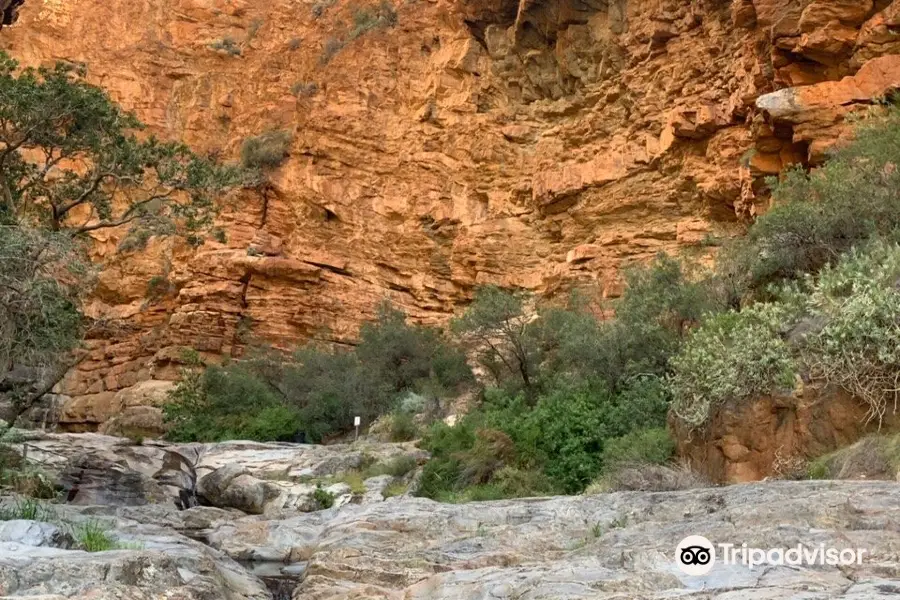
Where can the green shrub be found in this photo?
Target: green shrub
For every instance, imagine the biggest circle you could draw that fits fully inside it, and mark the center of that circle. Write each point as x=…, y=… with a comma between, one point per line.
x=29, y=480
x=267, y=150
x=508, y=447
x=28, y=509
x=731, y=357
x=94, y=536
x=858, y=346
x=403, y=427
x=400, y=466
x=818, y=469
x=40, y=320
x=367, y=19
x=566, y=431
x=229, y=402
x=316, y=393
x=661, y=303
x=818, y=216
x=158, y=287
x=396, y=488
x=516, y=482
x=404, y=357
x=643, y=446
x=324, y=499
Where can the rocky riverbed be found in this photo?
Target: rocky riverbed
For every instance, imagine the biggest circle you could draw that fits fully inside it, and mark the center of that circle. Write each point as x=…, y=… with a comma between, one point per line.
x=618, y=545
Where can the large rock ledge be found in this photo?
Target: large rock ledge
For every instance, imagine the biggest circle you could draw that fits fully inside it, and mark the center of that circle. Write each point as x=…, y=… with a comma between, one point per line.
x=610, y=546
x=767, y=436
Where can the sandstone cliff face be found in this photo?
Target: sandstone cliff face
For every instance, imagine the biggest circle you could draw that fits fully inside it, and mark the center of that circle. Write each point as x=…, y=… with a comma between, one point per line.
x=536, y=144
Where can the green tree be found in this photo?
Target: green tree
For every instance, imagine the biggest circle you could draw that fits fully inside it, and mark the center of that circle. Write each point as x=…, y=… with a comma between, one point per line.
x=41, y=277
x=73, y=162
x=71, y=159
x=404, y=357
x=497, y=325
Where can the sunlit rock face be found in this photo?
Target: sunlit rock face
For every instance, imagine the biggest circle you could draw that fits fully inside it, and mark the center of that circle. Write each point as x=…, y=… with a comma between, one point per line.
x=456, y=143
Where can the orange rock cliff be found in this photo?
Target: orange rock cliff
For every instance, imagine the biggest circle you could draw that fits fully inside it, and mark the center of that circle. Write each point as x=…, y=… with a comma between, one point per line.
x=452, y=143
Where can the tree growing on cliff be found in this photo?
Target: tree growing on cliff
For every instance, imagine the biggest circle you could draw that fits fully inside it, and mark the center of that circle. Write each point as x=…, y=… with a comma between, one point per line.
x=71, y=159
x=72, y=162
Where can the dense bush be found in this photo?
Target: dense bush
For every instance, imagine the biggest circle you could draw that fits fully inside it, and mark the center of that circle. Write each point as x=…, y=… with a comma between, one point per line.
x=660, y=304
x=407, y=357
x=526, y=345
x=732, y=357
x=227, y=403
x=820, y=215
x=41, y=278
x=857, y=346
x=316, y=393
x=839, y=326
x=267, y=150
x=556, y=444
x=644, y=446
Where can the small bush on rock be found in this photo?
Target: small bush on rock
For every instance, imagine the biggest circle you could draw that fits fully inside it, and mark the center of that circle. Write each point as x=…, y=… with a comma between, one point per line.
x=94, y=536
x=324, y=499
x=266, y=151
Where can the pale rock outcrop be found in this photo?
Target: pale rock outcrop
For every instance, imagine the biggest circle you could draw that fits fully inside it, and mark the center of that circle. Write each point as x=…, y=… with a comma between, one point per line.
x=607, y=546
x=254, y=477
x=601, y=547
x=34, y=533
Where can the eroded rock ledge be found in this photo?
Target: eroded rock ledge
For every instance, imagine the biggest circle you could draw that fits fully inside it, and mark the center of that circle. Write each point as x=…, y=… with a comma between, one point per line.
x=606, y=546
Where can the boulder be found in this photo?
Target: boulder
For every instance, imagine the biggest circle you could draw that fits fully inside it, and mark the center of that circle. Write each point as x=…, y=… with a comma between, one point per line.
x=232, y=486
x=136, y=422
x=157, y=563
x=771, y=436
x=34, y=533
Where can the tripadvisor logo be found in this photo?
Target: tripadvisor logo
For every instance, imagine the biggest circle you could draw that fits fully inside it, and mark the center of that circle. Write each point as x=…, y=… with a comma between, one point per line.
x=696, y=555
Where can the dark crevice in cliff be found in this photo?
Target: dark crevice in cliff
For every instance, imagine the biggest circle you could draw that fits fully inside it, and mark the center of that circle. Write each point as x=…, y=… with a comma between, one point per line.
x=477, y=31
x=242, y=325
x=332, y=268
x=10, y=11
x=265, y=206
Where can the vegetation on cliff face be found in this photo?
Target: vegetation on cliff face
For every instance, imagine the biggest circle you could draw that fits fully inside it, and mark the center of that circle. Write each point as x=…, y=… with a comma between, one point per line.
x=71, y=163
x=570, y=398
x=817, y=283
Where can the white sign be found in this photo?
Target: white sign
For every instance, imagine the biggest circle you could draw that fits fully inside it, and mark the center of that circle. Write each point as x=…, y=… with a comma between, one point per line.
x=356, y=421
